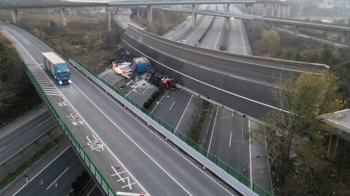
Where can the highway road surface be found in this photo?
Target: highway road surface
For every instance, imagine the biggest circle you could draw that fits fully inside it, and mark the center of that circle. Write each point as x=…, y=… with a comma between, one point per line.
x=20, y=137
x=213, y=37
x=147, y=160
x=53, y=175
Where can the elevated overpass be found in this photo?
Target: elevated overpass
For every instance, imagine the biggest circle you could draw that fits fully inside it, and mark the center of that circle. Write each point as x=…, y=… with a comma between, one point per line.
x=122, y=153
x=239, y=82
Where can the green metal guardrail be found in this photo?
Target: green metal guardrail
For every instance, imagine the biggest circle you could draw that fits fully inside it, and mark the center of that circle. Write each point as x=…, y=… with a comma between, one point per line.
x=234, y=173
x=94, y=170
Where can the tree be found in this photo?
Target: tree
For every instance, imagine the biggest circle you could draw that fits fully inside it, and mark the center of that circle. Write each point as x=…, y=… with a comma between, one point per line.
x=270, y=39
x=287, y=55
x=301, y=99
x=326, y=56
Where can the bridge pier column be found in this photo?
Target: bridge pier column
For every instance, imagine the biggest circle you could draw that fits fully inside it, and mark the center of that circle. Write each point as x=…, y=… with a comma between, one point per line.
x=71, y=11
x=15, y=16
x=343, y=37
x=332, y=148
x=296, y=30
x=51, y=10
x=279, y=11
x=227, y=24
x=138, y=13
x=246, y=8
x=64, y=23
x=288, y=10
x=273, y=10
x=228, y=8
x=265, y=10
x=149, y=13
x=251, y=9
x=109, y=18
x=194, y=17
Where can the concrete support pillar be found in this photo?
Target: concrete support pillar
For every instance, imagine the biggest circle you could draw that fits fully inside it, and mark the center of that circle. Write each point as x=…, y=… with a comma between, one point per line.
x=288, y=10
x=227, y=24
x=265, y=10
x=332, y=148
x=14, y=16
x=279, y=7
x=138, y=13
x=246, y=8
x=64, y=23
x=343, y=37
x=71, y=11
x=194, y=17
x=109, y=18
x=149, y=13
x=51, y=11
x=228, y=7
x=273, y=10
x=296, y=30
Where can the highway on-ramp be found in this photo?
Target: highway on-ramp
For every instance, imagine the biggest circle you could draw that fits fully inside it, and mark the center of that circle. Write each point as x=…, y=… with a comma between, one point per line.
x=147, y=160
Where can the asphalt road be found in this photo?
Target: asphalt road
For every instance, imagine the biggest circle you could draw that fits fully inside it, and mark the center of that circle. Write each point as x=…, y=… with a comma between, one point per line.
x=22, y=136
x=213, y=37
x=61, y=166
x=238, y=42
x=146, y=160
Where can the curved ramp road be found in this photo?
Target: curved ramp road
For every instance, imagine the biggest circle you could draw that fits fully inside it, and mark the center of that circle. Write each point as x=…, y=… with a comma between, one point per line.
x=147, y=161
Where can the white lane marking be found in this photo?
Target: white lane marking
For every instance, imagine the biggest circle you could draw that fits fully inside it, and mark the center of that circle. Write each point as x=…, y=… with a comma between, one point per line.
x=216, y=43
x=41, y=170
x=159, y=101
x=57, y=178
x=43, y=122
x=145, y=90
x=93, y=190
x=116, y=173
x=133, y=89
x=240, y=27
x=250, y=157
x=171, y=106
x=229, y=144
x=126, y=135
x=177, y=126
x=2, y=148
x=82, y=118
x=212, y=131
x=128, y=194
x=199, y=81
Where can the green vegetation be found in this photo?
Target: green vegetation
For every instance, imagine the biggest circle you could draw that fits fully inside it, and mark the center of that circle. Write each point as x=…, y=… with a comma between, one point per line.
x=297, y=142
x=154, y=97
x=199, y=126
x=80, y=184
x=16, y=91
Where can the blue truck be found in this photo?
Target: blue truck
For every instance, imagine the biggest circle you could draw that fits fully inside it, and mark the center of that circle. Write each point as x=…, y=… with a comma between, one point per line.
x=140, y=64
x=57, y=67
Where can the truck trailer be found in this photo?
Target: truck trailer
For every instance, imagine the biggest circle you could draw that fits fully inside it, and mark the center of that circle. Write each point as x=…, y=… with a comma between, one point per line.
x=57, y=67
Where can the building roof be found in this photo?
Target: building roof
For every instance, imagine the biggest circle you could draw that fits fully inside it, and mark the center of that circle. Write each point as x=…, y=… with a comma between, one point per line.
x=340, y=120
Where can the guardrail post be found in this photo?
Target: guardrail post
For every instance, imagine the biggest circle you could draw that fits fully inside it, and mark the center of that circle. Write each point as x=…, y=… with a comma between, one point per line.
x=193, y=17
